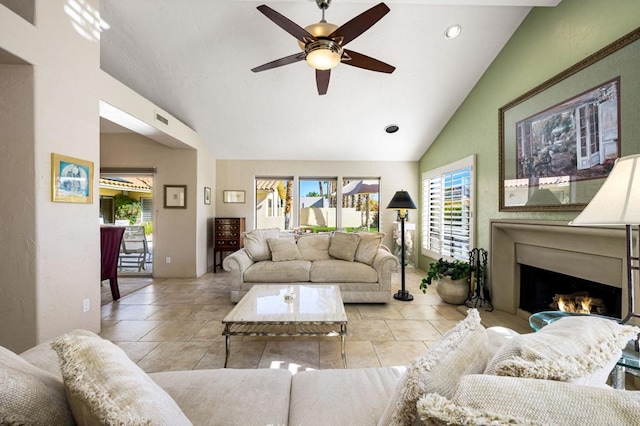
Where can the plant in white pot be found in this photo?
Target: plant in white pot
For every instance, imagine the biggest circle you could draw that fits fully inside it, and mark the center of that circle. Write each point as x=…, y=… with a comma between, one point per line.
x=451, y=278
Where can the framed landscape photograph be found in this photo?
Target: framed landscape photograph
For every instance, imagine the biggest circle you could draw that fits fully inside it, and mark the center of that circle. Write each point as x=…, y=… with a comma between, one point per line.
x=175, y=196
x=559, y=141
x=233, y=196
x=71, y=180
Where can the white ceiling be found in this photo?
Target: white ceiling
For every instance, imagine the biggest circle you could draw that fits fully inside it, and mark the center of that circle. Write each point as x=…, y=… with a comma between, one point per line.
x=192, y=58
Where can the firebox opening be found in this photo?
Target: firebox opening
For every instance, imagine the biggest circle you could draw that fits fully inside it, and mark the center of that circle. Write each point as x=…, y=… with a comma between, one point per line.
x=539, y=287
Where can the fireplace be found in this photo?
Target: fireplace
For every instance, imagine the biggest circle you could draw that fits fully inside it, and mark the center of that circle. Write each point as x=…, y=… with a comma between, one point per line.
x=588, y=253
x=543, y=290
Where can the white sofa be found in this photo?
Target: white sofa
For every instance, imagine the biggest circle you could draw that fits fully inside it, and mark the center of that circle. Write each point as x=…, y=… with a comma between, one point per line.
x=356, y=262
x=455, y=382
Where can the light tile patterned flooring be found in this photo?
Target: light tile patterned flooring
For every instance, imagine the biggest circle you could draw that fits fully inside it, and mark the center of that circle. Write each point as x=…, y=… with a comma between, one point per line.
x=176, y=324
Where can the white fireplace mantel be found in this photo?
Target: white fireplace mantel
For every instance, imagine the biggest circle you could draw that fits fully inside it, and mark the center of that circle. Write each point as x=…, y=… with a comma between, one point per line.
x=592, y=253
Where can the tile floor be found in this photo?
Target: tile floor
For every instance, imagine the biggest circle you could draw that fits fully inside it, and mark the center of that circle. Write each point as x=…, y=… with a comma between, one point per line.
x=175, y=324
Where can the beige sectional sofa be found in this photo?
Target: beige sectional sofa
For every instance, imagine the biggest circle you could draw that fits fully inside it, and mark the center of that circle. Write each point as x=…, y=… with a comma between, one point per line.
x=357, y=262
x=471, y=376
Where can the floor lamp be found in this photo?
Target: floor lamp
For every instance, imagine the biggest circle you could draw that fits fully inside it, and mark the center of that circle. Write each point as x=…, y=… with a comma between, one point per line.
x=617, y=203
x=402, y=201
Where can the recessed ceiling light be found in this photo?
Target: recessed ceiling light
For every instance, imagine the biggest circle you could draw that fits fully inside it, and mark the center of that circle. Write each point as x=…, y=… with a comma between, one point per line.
x=391, y=128
x=452, y=32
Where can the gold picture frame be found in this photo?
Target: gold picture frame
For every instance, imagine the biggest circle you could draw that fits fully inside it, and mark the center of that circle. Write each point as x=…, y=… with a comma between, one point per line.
x=71, y=180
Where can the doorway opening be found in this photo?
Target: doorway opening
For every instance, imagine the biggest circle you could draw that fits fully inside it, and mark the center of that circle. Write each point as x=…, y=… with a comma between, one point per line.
x=126, y=199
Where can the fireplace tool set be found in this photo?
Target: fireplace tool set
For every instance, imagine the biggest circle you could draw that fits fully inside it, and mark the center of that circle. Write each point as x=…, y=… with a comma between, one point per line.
x=478, y=291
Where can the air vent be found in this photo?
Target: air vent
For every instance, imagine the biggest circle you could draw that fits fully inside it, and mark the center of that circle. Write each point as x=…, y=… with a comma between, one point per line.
x=162, y=119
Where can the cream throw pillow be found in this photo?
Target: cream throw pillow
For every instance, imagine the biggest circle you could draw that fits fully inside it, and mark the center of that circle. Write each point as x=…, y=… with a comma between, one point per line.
x=481, y=397
x=283, y=249
x=104, y=386
x=314, y=247
x=570, y=348
x=255, y=243
x=368, y=246
x=460, y=351
x=343, y=246
x=434, y=409
x=29, y=395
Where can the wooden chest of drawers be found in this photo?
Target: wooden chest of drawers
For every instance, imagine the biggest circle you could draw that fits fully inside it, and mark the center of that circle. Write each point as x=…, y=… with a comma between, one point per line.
x=227, y=237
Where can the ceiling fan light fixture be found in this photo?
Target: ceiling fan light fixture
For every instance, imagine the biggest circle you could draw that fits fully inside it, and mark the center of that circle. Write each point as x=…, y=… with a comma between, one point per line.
x=319, y=30
x=453, y=31
x=323, y=54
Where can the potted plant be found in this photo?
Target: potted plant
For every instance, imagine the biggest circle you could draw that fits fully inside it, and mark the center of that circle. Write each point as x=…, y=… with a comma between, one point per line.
x=451, y=278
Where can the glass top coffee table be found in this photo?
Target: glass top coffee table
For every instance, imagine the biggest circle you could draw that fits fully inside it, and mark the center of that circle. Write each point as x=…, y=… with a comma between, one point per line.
x=628, y=362
x=288, y=310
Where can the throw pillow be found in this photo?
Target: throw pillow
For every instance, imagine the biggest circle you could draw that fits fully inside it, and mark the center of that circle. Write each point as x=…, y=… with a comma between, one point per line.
x=435, y=409
x=29, y=395
x=104, y=386
x=460, y=351
x=368, y=246
x=343, y=246
x=283, y=249
x=314, y=246
x=571, y=348
x=481, y=397
x=255, y=243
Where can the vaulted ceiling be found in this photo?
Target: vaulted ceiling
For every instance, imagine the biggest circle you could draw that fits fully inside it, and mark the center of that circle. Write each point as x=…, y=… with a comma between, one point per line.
x=193, y=58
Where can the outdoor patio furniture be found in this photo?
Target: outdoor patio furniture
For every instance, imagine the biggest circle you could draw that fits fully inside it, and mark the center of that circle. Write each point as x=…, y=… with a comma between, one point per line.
x=134, y=250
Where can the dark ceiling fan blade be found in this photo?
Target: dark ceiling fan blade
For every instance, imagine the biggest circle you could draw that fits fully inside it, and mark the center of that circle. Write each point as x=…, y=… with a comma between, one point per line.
x=322, y=81
x=285, y=23
x=360, y=24
x=296, y=57
x=359, y=60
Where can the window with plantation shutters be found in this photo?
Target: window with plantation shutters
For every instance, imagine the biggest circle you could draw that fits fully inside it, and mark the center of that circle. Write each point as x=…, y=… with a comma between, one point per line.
x=447, y=210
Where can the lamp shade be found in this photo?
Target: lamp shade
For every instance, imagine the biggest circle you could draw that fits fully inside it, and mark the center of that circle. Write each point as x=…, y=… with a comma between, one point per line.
x=617, y=202
x=401, y=200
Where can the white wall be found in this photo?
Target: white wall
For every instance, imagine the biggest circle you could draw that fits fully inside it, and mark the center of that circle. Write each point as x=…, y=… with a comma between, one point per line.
x=17, y=223
x=60, y=261
x=240, y=175
x=206, y=177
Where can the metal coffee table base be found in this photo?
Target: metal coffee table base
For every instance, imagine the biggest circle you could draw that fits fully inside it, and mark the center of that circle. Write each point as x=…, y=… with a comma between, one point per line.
x=275, y=329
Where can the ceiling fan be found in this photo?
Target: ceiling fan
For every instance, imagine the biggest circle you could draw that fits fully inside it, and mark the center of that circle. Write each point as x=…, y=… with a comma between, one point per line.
x=323, y=43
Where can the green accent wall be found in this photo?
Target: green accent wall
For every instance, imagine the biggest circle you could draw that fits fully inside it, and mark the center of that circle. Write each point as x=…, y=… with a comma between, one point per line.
x=547, y=42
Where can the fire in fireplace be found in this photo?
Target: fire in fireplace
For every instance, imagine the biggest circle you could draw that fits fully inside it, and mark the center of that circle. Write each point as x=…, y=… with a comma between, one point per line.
x=580, y=302
x=543, y=290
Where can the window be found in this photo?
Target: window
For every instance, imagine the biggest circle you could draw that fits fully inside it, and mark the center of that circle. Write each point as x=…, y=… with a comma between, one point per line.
x=318, y=204
x=274, y=198
x=107, y=214
x=147, y=209
x=360, y=204
x=447, y=210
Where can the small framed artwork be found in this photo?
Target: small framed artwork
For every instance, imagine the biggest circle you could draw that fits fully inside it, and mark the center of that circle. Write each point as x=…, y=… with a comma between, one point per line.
x=233, y=196
x=71, y=180
x=207, y=195
x=175, y=196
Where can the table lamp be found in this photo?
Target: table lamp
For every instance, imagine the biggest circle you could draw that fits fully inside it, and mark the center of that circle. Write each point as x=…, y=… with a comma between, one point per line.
x=617, y=203
x=402, y=201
